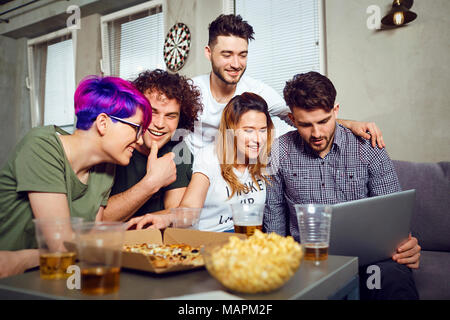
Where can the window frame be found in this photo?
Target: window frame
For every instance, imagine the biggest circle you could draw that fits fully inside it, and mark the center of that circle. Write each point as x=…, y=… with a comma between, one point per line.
x=322, y=39
x=105, y=66
x=35, y=107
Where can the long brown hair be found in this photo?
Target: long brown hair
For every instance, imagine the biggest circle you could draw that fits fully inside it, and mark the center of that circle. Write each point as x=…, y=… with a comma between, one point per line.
x=226, y=147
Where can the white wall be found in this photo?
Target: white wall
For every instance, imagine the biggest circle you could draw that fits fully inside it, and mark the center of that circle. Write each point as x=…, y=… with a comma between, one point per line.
x=398, y=78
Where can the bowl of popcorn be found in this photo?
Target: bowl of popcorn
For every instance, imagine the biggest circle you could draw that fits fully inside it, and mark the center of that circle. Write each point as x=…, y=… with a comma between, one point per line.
x=260, y=263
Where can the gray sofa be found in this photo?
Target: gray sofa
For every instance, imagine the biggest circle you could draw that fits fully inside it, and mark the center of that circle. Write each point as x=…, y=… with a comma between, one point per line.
x=430, y=224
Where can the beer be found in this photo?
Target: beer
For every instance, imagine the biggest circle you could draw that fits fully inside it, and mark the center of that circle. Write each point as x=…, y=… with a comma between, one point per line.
x=316, y=251
x=100, y=280
x=54, y=265
x=248, y=229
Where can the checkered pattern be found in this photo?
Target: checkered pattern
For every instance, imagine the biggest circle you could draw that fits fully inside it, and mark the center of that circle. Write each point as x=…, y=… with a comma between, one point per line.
x=351, y=170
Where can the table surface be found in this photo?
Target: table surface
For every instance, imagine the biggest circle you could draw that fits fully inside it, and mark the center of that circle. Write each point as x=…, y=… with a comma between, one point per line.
x=309, y=282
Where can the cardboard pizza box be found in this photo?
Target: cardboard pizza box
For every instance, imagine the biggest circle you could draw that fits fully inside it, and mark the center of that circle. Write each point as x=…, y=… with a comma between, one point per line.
x=193, y=238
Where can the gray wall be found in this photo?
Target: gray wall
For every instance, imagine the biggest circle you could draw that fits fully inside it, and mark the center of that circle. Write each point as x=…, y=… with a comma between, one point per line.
x=398, y=78
x=14, y=98
x=8, y=58
x=89, y=48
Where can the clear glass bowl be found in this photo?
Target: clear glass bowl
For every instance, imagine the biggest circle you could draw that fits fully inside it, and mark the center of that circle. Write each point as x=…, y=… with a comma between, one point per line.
x=255, y=272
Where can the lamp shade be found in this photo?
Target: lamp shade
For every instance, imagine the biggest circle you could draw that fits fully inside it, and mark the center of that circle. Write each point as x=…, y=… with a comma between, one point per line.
x=399, y=14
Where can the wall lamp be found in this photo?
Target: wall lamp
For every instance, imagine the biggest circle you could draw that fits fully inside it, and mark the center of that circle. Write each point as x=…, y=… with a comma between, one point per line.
x=400, y=13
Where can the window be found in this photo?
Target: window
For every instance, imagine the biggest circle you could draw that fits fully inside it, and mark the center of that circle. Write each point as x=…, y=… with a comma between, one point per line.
x=133, y=40
x=287, y=41
x=51, y=79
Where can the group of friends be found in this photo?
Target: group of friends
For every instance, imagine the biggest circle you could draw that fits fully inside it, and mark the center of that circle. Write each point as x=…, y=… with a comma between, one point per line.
x=164, y=141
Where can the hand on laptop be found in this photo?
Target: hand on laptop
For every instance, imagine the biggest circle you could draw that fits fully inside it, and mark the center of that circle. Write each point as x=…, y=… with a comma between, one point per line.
x=408, y=253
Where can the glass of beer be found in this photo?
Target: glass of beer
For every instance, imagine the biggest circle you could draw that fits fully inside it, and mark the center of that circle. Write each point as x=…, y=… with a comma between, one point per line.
x=55, y=238
x=99, y=246
x=187, y=218
x=247, y=217
x=314, y=222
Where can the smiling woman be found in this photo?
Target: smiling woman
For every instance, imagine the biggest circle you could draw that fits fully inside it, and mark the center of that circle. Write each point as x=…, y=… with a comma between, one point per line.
x=245, y=139
x=53, y=174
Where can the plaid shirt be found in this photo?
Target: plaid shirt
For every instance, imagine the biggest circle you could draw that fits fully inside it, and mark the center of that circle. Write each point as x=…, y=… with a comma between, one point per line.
x=352, y=170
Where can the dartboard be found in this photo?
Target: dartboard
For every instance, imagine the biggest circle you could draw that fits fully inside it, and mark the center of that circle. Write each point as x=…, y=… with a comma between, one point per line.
x=176, y=46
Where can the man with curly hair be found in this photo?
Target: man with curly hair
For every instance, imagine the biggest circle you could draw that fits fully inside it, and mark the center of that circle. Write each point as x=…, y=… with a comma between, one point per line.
x=161, y=168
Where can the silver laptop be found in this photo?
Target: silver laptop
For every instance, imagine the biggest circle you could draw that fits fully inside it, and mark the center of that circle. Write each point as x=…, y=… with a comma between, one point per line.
x=371, y=228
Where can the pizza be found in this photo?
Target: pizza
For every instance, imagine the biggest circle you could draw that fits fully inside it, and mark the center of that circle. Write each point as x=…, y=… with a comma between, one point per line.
x=168, y=255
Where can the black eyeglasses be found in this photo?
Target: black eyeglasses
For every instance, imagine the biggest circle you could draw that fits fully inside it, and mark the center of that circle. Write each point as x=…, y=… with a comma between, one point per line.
x=136, y=127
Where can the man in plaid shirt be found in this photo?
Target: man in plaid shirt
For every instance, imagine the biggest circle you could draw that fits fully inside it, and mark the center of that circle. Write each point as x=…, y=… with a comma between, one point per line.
x=325, y=163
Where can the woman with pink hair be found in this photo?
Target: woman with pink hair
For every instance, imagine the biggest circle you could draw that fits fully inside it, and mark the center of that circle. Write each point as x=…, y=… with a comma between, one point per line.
x=53, y=174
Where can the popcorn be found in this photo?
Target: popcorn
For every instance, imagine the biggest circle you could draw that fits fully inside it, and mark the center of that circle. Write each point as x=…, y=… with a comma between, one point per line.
x=261, y=263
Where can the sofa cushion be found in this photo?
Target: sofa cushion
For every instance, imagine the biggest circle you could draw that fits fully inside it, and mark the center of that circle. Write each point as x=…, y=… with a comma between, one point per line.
x=432, y=280
x=430, y=222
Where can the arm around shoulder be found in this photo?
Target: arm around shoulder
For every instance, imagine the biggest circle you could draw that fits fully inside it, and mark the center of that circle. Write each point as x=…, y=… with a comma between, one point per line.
x=366, y=130
x=277, y=105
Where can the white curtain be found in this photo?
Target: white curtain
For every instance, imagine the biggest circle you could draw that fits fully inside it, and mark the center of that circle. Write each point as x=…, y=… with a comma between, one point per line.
x=135, y=43
x=59, y=84
x=286, y=39
x=286, y=42
x=53, y=80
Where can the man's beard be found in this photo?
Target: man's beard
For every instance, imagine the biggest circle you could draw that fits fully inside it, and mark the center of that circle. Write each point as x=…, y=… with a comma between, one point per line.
x=216, y=71
x=328, y=141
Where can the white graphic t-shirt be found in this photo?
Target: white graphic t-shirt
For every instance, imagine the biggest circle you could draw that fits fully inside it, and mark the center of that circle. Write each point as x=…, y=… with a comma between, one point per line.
x=216, y=214
x=207, y=128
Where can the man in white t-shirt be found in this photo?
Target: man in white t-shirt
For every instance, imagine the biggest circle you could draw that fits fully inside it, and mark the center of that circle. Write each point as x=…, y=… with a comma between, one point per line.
x=227, y=50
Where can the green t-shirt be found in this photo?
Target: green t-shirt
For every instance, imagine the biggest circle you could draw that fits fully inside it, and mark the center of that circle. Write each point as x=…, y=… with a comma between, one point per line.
x=128, y=176
x=38, y=163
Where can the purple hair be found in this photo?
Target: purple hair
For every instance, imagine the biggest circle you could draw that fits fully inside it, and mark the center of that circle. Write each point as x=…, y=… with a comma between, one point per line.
x=110, y=95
